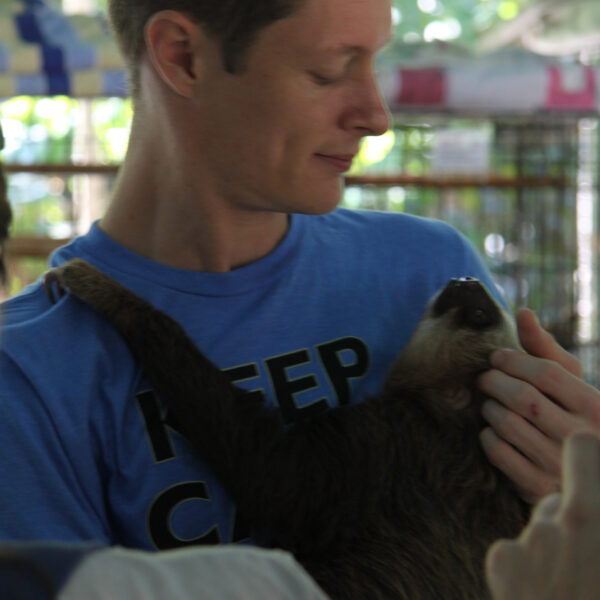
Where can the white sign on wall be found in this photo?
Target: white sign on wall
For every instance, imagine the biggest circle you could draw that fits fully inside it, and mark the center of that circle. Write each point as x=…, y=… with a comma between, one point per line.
x=462, y=151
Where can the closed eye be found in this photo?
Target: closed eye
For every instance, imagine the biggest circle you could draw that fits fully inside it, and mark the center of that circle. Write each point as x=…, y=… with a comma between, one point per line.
x=323, y=79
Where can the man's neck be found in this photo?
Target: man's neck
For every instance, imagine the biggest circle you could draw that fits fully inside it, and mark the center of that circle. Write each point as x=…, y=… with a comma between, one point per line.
x=198, y=244
x=158, y=211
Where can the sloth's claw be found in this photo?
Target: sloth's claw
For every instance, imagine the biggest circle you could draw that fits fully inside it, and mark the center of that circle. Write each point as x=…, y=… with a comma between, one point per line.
x=53, y=286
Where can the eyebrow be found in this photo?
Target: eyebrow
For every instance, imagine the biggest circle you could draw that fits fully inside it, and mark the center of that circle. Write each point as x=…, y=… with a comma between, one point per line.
x=350, y=49
x=344, y=49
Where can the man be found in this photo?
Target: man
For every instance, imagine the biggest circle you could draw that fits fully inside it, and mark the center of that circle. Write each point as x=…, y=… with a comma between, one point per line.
x=246, y=116
x=71, y=571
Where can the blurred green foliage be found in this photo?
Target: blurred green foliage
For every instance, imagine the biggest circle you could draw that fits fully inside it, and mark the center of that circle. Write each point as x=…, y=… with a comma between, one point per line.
x=460, y=20
x=57, y=130
x=41, y=130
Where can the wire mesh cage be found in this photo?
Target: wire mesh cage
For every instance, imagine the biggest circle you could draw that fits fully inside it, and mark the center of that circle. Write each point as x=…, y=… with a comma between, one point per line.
x=525, y=197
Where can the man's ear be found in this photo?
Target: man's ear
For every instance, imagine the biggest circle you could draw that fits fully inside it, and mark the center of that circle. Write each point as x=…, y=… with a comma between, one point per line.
x=172, y=42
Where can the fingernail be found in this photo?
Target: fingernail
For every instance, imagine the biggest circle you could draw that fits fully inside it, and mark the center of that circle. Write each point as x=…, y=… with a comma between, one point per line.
x=488, y=438
x=497, y=358
x=548, y=507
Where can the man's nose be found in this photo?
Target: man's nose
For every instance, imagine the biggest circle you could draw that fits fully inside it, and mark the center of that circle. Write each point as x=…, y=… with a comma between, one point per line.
x=377, y=112
x=371, y=114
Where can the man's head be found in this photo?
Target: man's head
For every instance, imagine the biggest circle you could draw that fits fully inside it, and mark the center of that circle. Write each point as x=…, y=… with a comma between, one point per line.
x=234, y=23
x=278, y=133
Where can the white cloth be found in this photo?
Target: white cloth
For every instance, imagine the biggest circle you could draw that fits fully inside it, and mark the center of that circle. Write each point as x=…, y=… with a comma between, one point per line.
x=219, y=573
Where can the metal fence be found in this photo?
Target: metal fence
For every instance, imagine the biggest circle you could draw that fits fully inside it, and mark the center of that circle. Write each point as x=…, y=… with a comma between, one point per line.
x=532, y=214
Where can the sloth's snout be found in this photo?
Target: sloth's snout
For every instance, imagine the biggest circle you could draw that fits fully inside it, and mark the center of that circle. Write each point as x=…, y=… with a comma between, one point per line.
x=475, y=307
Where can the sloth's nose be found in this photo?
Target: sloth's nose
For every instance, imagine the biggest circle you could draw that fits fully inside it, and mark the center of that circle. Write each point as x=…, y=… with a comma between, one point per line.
x=475, y=307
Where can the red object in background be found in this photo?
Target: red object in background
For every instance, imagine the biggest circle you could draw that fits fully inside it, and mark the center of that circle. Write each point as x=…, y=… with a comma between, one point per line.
x=560, y=97
x=422, y=87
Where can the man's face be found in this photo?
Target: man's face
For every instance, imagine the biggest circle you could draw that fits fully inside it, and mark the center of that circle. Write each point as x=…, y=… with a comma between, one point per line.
x=279, y=135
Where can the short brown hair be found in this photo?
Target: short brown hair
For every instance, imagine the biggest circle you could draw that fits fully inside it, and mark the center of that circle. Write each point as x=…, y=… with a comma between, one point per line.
x=235, y=23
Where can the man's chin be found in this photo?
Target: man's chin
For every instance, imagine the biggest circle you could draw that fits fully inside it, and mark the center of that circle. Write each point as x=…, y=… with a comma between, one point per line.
x=323, y=201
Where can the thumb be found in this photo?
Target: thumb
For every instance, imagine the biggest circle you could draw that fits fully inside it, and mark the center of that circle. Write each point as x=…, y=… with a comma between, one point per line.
x=539, y=342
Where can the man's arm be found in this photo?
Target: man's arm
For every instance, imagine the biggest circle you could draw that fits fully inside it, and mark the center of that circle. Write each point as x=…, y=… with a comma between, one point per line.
x=536, y=401
x=43, y=496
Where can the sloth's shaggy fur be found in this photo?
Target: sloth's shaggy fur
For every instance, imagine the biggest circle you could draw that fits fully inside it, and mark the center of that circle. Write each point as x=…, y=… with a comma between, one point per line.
x=389, y=498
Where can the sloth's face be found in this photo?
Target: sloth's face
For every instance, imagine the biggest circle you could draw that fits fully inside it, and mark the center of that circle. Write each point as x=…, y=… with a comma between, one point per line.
x=462, y=326
x=466, y=321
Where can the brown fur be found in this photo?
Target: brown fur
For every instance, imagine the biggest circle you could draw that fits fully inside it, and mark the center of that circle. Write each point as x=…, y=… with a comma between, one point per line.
x=389, y=498
x=5, y=220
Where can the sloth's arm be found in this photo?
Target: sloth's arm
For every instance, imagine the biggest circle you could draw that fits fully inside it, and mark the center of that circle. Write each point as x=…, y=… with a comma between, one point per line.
x=292, y=484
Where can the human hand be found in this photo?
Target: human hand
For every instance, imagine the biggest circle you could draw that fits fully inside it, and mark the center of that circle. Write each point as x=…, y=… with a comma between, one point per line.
x=556, y=556
x=535, y=401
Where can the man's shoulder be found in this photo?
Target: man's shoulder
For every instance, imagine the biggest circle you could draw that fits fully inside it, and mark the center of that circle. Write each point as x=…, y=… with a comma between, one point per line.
x=38, y=310
x=47, y=339
x=29, y=305
x=374, y=233
x=402, y=249
x=390, y=223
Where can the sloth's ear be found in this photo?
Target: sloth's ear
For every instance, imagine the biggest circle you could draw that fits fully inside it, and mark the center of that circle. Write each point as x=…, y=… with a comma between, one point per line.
x=456, y=398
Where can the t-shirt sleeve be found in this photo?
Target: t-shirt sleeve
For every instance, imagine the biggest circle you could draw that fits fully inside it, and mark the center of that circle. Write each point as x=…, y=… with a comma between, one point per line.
x=43, y=495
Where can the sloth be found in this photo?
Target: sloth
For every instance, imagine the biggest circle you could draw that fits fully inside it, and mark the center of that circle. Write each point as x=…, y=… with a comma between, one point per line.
x=390, y=498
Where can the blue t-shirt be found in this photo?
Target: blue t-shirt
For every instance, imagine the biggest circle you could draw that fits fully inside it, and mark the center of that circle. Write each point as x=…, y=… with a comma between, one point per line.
x=87, y=452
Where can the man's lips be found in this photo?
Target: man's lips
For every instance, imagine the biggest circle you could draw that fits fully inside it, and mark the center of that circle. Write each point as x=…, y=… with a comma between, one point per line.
x=340, y=162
